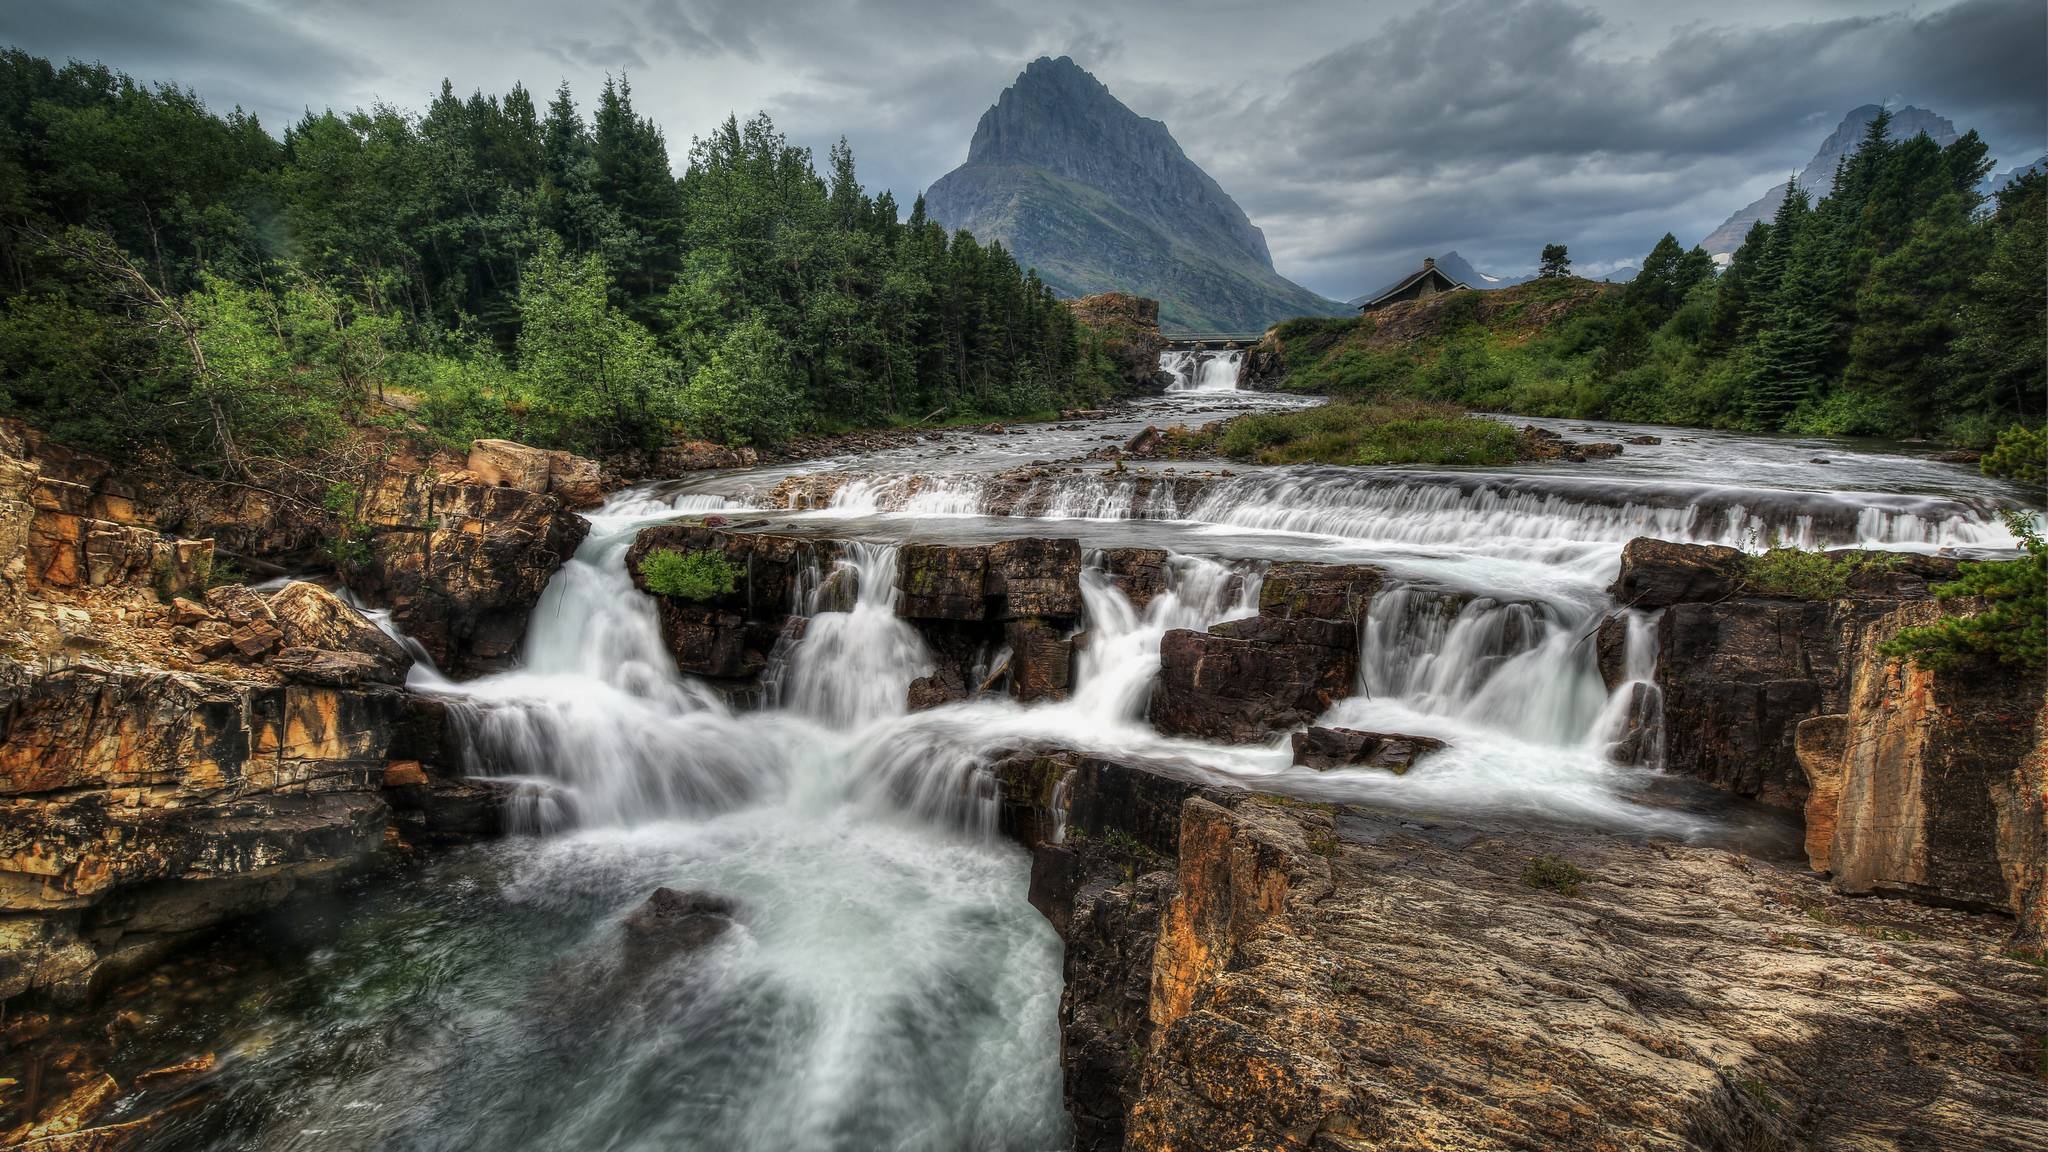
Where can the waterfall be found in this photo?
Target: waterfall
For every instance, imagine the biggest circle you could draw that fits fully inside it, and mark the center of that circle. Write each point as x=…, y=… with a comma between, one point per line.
x=883, y=981
x=1515, y=690
x=1198, y=370
x=1114, y=673
x=852, y=668
x=1513, y=667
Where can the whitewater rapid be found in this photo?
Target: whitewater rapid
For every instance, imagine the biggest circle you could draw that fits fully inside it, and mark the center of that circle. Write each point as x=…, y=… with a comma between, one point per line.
x=886, y=983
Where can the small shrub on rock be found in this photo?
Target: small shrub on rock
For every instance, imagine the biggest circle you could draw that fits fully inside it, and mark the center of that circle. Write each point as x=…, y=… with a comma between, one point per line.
x=1807, y=575
x=704, y=575
x=1556, y=874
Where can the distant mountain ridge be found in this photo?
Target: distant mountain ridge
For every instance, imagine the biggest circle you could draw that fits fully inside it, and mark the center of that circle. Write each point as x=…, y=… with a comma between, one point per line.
x=1098, y=198
x=1818, y=177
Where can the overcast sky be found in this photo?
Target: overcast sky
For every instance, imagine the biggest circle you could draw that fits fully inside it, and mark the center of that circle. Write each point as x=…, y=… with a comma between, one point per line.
x=1358, y=133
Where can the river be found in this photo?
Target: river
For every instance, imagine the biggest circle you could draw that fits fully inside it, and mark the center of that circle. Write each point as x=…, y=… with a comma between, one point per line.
x=887, y=986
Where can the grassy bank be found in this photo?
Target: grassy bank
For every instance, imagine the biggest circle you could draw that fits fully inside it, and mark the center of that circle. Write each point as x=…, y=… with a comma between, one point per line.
x=1389, y=432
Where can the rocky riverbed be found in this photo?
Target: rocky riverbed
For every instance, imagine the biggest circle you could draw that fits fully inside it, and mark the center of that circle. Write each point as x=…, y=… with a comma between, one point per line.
x=1041, y=801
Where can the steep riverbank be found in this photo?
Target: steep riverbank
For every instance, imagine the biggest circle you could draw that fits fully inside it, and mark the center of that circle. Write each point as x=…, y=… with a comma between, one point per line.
x=933, y=653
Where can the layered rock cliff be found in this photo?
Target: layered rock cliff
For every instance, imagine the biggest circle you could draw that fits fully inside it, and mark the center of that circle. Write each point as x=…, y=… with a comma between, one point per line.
x=176, y=751
x=1910, y=781
x=1098, y=198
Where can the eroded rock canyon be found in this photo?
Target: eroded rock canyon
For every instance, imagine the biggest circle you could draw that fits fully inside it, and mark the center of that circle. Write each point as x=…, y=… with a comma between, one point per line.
x=1788, y=891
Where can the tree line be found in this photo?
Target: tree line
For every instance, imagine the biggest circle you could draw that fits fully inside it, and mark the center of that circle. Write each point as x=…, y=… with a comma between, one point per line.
x=180, y=281
x=1903, y=303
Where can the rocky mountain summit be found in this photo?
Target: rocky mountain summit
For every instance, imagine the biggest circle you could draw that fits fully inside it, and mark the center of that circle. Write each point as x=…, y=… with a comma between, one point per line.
x=1098, y=198
x=1819, y=174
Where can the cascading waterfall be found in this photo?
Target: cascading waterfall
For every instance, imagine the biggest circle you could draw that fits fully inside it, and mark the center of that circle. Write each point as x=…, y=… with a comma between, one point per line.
x=1632, y=723
x=1201, y=370
x=1115, y=671
x=885, y=983
x=1520, y=668
x=1553, y=519
x=853, y=668
x=1515, y=689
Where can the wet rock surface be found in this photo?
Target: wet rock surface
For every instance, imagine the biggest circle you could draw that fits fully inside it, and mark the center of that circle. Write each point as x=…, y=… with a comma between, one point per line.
x=1243, y=680
x=1326, y=748
x=460, y=565
x=1271, y=974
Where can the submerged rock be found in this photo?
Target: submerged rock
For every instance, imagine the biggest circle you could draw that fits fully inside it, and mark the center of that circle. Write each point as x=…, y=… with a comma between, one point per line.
x=1324, y=749
x=672, y=922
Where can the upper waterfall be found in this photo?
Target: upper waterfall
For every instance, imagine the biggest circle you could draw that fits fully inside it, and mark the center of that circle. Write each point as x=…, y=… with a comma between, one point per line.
x=1201, y=370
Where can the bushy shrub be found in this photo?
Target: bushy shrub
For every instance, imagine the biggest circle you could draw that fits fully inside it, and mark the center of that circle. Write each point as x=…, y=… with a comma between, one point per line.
x=1808, y=575
x=1556, y=874
x=704, y=575
x=2021, y=454
x=2011, y=628
x=1398, y=433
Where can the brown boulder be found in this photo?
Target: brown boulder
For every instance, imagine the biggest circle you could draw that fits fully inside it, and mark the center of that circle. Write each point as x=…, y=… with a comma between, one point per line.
x=506, y=464
x=940, y=688
x=1326, y=748
x=575, y=481
x=1041, y=660
x=310, y=617
x=1296, y=590
x=579, y=483
x=1243, y=680
x=1034, y=577
x=1658, y=573
x=336, y=669
x=461, y=565
x=1139, y=573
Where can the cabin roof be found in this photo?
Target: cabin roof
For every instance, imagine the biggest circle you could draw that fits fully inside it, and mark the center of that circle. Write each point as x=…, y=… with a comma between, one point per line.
x=1428, y=269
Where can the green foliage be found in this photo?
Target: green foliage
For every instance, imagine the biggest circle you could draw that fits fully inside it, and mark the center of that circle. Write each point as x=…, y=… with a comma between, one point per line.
x=1556, y=262
x=2011, y=623
x=1892, y=307
x=703, y=575
x=598, y=380
x=1556, y=874
x=2021, y=454
x=488, y=266
x=1806, y=575
x=746, y=393
x=1344, y=433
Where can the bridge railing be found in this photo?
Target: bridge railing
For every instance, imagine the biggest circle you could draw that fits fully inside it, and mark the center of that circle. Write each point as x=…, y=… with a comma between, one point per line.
x=1213, y=337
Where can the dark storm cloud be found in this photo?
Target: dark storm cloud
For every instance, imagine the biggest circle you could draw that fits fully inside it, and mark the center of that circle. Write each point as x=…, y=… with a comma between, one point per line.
x=1358, y=135
x=1494, y=127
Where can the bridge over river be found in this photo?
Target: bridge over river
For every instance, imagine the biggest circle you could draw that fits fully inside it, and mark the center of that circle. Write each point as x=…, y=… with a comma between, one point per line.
x=1209, y=341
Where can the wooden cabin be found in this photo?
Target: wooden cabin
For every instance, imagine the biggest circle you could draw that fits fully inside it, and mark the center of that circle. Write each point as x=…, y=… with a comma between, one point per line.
x=1430, y=281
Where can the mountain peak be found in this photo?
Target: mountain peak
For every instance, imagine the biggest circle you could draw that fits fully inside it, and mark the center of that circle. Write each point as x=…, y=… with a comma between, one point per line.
x=1818, y=177
x=1097, y=197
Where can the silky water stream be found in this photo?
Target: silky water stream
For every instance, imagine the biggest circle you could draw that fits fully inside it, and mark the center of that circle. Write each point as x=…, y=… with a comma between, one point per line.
x=884, y=984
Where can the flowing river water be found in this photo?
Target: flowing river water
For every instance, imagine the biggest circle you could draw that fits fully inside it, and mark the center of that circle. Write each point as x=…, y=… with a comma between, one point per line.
x=887, y=986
